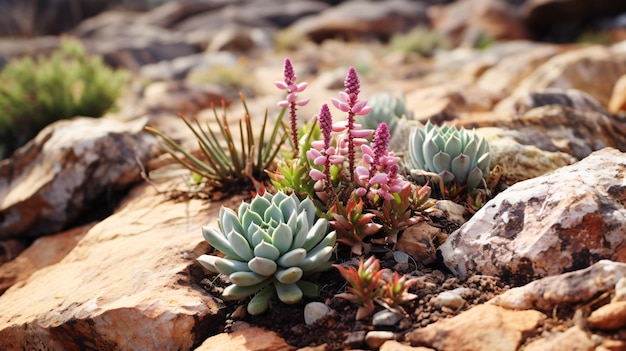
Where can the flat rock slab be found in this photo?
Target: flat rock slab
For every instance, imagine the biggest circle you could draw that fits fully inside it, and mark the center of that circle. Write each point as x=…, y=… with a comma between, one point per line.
x=125, y=286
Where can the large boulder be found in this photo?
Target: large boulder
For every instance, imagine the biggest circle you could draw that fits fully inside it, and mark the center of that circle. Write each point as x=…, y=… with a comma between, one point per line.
x=67, y=169
x=562, y=221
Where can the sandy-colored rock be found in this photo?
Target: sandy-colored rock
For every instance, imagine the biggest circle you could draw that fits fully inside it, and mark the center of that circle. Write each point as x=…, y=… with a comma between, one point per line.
x=512, y=162
x=573, y=339
x=126, y=285
x=437, y=103
x=249, y=339
x=574, y=98
x=66, y=169
x=562, y=221
x=393, y=345
x=45, y=251
x=483, y=327
x=617, y=103
x=571, y=288
x=504, y=76
x=609, y=317
x=593, y=70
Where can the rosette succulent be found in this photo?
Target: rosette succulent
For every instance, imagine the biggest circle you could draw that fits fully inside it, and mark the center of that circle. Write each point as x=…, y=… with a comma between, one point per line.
x=268, y=246
x=387, y=109
x=456, y=155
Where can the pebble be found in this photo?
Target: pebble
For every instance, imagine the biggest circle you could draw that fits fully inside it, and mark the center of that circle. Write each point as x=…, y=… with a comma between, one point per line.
x=376, y=338
x=400, y=256
x=449, y=299
x=314, y=311
x=386, y=318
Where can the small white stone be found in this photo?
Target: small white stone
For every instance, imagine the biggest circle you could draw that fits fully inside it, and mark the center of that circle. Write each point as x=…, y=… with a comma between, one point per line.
x=400, y=256
x=450, y=299
x=386, y=318
x=314, y=311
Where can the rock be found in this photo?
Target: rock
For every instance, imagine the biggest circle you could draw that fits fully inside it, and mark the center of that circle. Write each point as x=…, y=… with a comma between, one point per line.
x=513, y=162
x=126, y=285
x=314, y=311
x=562, y=20
x=449, y=299
x=182, y=97
x=620, y=290
x=507, y=73
x=386, y=318
x=10, y=249
x=362, y=20
x=483, y=327
x=43, y=252
x=393, y=345
x=593, y=69
x=437, y=104
x=168, y=14
x=376, y=338
x=240, y=40
x=617, y=103
x=562, y=221
x=420, y=241
x=66, y=169
x=448, y=210
x=573, y=339
x=467, y=22
x=355, y=339
x=181, y=67
x=576, y=99
x=578, y=287
x=559, y=128
x=249, y=339
x=609, y=317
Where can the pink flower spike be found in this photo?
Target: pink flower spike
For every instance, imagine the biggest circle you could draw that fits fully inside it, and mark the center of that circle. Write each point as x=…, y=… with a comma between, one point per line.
x=361, y=133
x=352, y=83
x=317, y=174
x=288, y=72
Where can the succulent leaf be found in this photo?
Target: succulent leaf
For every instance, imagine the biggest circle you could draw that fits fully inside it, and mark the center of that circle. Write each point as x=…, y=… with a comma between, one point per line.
x=246, y=278
x=292, y=258
x=441, y=162
x=229, y=221
x=262, y=266
x=289, y=276
x=315, y=234
x=282, y=238
x=474, y=178
x=260, y=302
x=460, y=167
x=240, y=245
x=266, y=250
x=288, y=293
x=236, y=292
x=219, y=242
x=228, y=266
x=314, y=261
x=309, y=289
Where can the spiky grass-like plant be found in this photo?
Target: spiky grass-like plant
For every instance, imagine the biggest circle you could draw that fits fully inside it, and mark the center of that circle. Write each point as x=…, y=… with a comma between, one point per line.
x=228, y=163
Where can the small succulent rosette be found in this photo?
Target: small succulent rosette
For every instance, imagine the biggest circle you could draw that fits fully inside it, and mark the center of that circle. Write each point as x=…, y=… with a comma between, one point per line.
x=456, y=155
x=269, y=245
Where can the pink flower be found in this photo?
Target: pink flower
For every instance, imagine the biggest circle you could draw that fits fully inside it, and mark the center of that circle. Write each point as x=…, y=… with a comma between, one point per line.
x=291, y=101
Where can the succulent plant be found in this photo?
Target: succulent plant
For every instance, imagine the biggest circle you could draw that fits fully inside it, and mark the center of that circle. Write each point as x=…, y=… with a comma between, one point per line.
x=269, y=245
x=455, y=155
x=387, y=109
